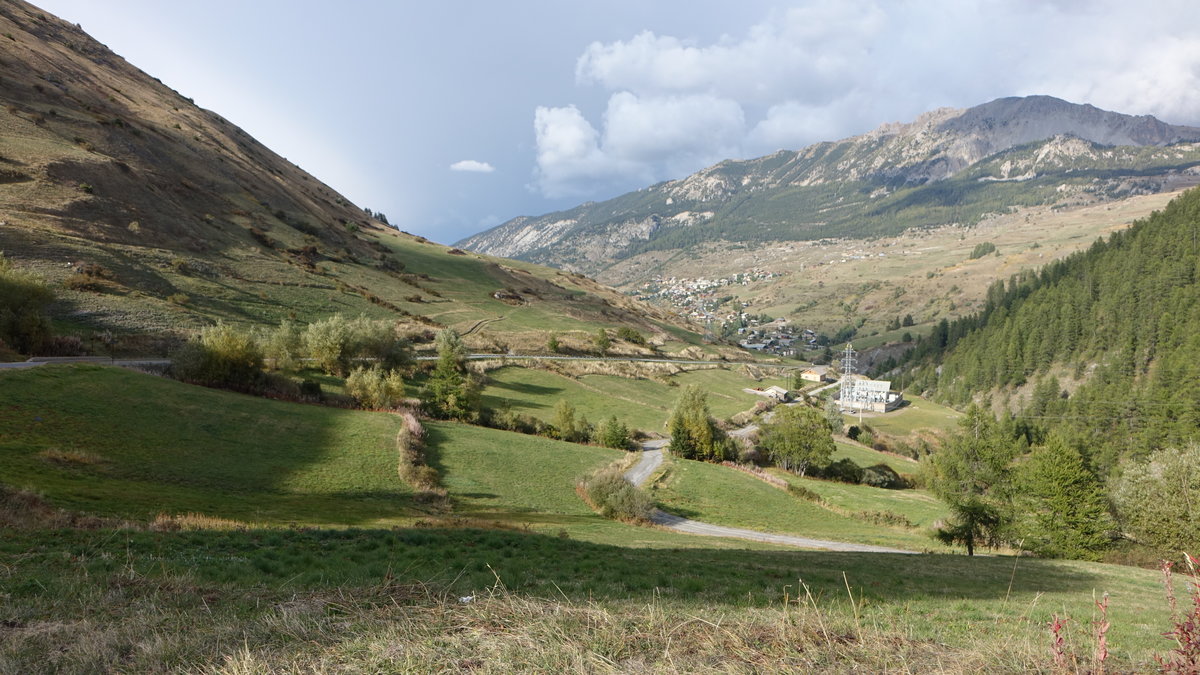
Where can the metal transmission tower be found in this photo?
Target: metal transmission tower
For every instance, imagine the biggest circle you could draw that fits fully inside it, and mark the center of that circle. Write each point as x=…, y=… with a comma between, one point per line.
x=848, y=364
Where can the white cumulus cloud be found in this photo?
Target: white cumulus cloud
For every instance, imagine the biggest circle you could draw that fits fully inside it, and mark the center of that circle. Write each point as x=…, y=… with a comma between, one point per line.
x=822, y=70
x=473, y=166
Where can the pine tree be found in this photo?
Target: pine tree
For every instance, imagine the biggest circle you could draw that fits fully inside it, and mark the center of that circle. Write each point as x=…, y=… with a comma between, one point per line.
x=1064, y=510
x=451, y=392
x=971, y=474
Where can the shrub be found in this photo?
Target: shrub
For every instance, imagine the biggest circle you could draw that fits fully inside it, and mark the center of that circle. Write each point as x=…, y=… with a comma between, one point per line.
x=23, y=301
x=844, y=470
x=882, y=476
x=982, y=249
x=1159, y=499
x=614, y=497
x=630, y=335
x=888, y=518
x=221, y=356
x=311, y=390
x=804, y=493
x=375, y=388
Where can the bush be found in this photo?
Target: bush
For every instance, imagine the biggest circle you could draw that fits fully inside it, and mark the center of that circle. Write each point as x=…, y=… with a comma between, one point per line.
x=1158, y=499
x=221, y=356
x=804, y=493
x=23, y=301
x=311, y=390
x=614, y=497
x=843, y=470
x=882, y=476
x=375, y=388
x=630, y=335
x=888, y=518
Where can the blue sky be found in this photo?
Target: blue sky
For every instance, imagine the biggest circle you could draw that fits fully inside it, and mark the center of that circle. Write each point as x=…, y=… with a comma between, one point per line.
x=453, y=116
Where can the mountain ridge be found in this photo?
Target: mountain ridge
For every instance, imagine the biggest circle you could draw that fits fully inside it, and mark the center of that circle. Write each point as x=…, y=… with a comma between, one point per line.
x=857, y=186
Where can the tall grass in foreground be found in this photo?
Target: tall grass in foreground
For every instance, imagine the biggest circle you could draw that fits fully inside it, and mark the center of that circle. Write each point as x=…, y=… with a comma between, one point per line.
x=141, y=624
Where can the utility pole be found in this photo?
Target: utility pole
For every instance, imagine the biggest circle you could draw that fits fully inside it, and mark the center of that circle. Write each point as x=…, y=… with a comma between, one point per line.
x=847, y=384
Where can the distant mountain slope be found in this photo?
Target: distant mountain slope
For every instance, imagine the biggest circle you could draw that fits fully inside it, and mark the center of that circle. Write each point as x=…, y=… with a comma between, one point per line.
x=948, y=166
x=1117, y=326
x=182, y=218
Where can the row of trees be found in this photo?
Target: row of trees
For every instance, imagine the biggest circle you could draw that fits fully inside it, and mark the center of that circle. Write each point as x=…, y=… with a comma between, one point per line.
x=231, y=357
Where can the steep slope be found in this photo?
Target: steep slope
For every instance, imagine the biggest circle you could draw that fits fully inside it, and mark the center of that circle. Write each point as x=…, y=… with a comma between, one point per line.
x=948, y=166
x=150, y=214
x=1103, y=345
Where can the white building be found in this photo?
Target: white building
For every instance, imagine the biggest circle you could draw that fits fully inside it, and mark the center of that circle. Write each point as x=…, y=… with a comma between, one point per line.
x=871, y=396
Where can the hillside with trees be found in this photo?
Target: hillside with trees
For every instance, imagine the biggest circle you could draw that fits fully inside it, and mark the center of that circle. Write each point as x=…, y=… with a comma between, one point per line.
x=1098, y=356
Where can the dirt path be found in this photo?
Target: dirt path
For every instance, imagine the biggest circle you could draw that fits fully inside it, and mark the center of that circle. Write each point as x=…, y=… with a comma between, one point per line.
x=652, y=458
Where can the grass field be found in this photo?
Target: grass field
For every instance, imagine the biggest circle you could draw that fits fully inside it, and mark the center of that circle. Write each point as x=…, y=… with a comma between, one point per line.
x=575, y=591
x=143, y=444
x=921, y=508
x=867, y=457
x=287, y=598
x=716, y=494
x=919, y=415
x=640, y=403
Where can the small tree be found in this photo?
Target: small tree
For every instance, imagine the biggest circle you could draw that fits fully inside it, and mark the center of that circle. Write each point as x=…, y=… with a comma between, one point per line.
x=327, y=342
x=972, y=475
x=694, y=433
x=565, y=425
x=552, y=344
x=833, y=415
x=974, y=521
x=283, y=345
x=1065, y=512
x=602, y=342
x=797, y=437
x=451, y=392
x=612, y=433
x=220, y=356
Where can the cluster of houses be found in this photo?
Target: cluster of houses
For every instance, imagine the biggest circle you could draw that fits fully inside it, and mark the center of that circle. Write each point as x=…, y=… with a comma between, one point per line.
x=777, y=337
x=700, y=299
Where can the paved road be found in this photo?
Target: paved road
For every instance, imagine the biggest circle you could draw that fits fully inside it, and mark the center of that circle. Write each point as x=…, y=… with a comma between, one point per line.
x=123, y=363
x=652, y=458
x=620, y=359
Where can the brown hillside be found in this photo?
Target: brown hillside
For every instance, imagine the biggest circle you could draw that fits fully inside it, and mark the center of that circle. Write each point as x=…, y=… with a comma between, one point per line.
x=190, y=220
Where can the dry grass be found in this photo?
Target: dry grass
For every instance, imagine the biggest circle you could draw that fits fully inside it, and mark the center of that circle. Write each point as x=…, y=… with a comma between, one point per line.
x=70, y=457
x=197, y=522
x=170, y=625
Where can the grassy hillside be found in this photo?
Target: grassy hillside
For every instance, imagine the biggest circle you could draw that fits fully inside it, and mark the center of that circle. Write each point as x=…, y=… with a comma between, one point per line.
x=180, y=219
x=1101, y=345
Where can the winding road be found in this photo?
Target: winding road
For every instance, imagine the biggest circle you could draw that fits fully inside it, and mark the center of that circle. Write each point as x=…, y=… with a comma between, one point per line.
x=652, y=458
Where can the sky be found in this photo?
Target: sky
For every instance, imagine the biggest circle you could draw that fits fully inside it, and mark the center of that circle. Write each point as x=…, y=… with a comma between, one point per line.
x=452, y=116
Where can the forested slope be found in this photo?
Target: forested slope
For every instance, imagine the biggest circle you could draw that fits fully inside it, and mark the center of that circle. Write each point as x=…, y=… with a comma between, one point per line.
x=1117, y=325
